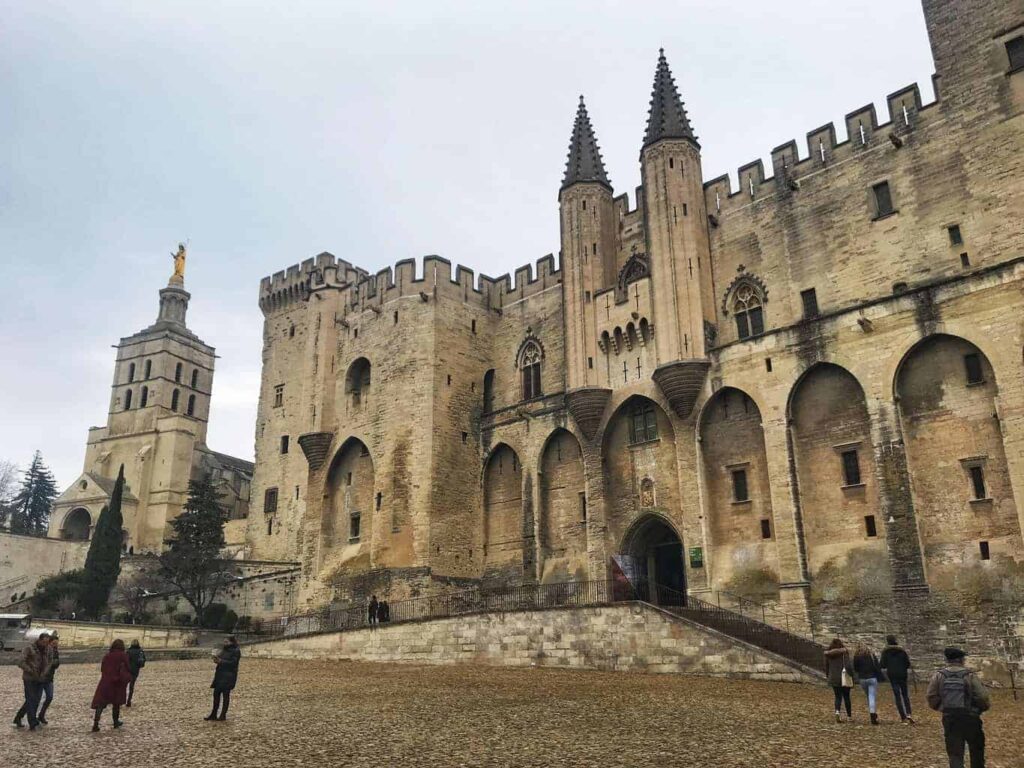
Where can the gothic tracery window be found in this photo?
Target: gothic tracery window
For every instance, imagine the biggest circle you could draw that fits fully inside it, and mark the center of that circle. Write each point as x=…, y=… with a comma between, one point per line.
x=529, y=366
x=747, y=308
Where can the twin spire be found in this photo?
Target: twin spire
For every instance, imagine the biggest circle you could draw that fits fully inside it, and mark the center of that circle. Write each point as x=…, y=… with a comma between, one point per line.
x=666, y=119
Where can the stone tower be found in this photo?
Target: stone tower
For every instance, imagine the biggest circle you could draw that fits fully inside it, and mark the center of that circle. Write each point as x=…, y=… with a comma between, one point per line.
x=587, y=219
x=675, y=223
x=156, y=427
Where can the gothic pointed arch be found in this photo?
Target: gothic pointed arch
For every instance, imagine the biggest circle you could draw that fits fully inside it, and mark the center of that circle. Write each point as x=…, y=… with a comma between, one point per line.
x=636, y=268
x=563, y=508
x=529, y=362
x=503, y=553
x=745, y=299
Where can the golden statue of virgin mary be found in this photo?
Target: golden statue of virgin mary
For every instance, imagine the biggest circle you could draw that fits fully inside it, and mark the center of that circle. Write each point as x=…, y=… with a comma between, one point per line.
x=179, y=262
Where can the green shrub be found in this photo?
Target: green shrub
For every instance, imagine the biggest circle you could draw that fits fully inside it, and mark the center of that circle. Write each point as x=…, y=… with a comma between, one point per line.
x=229, y=621
x=213, y=617
x=54, y=592
x=182, y=619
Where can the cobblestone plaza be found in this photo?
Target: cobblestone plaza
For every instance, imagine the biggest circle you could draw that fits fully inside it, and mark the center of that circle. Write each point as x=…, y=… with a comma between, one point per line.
x=292, y=713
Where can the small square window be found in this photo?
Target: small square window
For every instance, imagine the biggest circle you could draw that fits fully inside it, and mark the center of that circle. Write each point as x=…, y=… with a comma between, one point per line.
x=739, y=485
x=955, y=238
x=883, y=200
x=977, y=473
x=869, y=526
x=809, y=298
x=851, y=467
x=972, y=366
x=284, y=443
x=1015, y=53
x=983, y=550
x=766, y=529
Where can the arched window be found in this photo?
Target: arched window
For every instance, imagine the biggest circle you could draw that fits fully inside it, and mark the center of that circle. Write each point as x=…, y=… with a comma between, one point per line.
x=489, y=391
x=175, y=395
x=357, y=380
x=529, y=364
x=643, y=424
x=149, y=368
x=191, y=405
x=127, y=399
x=131, y=372
x=145, y=397
x=177, y=373
x=747, y=308
x=195, y=379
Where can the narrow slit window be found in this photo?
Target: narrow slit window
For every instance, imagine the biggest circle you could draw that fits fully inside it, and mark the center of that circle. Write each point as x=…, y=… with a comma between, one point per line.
x=149, y=368
x=195, y=379
x=978, y=482
x=131, y=372
x=972, y=367
x=190, y=409
x=127, y=399
x=851, y=467
x=1015, y=53
x=378, y=501
x=270, y=526
x=740, y=491
x=768, y=364
x=348, y=479
x=583, y=507
x=177, y=373
x=883, y=199
x=284, y=443
x=145, y=397
x=766, y=529
x=809, y=298
x=869, y=526
x=472, y=326
x=175, y=397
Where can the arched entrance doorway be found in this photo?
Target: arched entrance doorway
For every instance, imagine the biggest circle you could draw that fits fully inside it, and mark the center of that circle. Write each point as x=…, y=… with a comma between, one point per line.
x=652, y=561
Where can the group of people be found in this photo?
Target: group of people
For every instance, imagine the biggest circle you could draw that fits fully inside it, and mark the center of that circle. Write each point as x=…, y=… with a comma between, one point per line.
x=378, y=612
x=954, y=690
x=119, y=672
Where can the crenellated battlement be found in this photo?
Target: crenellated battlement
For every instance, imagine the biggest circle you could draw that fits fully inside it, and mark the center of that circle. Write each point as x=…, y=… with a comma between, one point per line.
x=434, y=277
x=863, y=133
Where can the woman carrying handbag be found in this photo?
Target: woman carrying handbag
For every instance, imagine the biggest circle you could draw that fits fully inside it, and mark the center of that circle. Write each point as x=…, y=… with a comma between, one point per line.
x=839, y=670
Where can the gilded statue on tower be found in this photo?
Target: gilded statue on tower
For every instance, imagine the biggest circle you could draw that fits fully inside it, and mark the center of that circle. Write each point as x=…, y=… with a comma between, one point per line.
x=179, y=262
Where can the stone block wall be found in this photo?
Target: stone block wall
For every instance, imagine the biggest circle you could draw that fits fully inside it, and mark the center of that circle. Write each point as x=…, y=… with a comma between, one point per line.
x=634, y=637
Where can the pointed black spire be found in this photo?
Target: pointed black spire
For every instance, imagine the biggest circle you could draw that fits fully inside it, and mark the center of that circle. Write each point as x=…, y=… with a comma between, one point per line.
x=666, y=118
x=585, y=163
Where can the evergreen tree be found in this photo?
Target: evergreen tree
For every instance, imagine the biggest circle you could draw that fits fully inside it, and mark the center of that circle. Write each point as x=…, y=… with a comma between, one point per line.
x=30, y=509
x=192, y=560
x=103, y=562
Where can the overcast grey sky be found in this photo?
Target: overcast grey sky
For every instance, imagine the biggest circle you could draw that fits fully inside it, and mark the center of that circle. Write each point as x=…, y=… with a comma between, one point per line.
x=267, y=133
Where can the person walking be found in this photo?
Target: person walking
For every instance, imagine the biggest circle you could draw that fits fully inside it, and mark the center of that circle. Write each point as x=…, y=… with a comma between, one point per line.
x=113, y=685
x=225, y=676
x=383, y=612
x=959, y=695
x=53, y=661
x=33, y=664
x=895, y=661
x=136, y=661
x=868, y=673
x=839, y=671
x=371, y=611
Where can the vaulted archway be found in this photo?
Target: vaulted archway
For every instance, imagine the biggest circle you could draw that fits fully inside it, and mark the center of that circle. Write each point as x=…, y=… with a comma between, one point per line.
x=503, y=516
x=347, y=521
x=651, y=558
x=563, y=509
x=77, y=525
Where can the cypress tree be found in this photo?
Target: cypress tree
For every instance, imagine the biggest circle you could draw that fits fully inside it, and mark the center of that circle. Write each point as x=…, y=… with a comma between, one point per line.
x=30, y=509
x=103, y=562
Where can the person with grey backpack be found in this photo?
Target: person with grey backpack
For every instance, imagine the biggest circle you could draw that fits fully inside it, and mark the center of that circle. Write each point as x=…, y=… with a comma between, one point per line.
x=959, y=695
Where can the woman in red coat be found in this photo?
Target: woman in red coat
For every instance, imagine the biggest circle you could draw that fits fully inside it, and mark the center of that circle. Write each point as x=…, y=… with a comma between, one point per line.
x=115, y=675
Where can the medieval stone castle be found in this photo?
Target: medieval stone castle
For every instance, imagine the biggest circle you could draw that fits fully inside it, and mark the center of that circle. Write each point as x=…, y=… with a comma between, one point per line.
x=827, y=358
x=824, y=362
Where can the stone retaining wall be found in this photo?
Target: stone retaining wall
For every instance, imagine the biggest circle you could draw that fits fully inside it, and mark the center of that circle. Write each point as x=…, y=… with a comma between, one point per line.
x=87, y=634
x=630, y=637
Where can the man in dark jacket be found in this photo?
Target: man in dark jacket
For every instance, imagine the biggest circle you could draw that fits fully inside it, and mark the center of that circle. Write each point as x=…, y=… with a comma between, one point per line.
x=34, y=666
x=225, y=677
x=371, y=611
x=896, y=663
x=959, y=695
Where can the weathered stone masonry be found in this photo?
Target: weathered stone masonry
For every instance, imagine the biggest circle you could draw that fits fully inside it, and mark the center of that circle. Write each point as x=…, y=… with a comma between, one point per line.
x=825, y=360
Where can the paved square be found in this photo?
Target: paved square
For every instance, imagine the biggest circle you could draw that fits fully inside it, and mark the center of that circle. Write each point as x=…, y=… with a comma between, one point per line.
x=324, y=714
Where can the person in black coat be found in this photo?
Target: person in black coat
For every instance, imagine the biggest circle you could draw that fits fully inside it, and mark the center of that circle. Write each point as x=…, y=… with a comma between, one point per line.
x=896, y=663
x=224, y=677
x=371, y=610
x=136, y=661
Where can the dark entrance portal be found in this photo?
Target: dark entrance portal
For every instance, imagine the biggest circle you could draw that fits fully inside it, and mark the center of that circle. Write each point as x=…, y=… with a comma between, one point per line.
x=655, y=552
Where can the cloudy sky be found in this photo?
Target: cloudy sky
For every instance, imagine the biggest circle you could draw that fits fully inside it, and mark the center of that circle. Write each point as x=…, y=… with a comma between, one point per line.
x=268, y=132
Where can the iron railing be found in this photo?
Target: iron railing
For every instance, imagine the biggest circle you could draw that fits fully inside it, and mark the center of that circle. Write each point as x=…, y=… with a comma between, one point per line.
x=574, y=594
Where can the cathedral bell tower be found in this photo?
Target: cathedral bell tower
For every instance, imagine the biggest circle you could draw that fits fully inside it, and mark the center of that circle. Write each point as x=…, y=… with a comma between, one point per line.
x=587, y=220
x=675, y=223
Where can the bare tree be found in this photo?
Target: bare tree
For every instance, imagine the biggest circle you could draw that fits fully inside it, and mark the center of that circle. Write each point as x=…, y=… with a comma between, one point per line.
x=134, y=592
x=8, y=485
